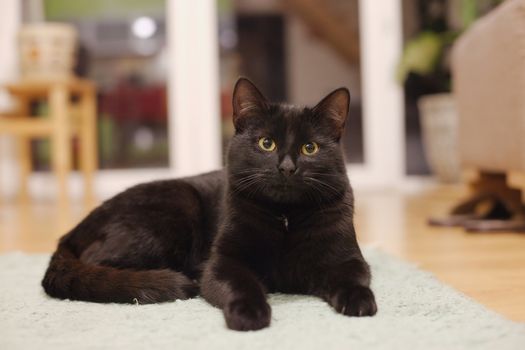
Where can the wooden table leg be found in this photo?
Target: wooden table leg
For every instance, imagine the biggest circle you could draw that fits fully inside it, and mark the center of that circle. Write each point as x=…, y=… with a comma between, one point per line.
x=60, y=139
x=23, y=149
x=88, y=143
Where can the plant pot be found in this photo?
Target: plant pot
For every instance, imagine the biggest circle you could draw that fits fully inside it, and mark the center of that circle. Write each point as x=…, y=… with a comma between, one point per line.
x=439, y=123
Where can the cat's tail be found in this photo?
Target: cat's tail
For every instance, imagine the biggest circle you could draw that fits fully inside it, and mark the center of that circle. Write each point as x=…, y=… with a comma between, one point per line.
x=67, y=277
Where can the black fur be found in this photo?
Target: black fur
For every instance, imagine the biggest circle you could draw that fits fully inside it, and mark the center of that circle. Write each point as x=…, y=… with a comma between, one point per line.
x=272, y=221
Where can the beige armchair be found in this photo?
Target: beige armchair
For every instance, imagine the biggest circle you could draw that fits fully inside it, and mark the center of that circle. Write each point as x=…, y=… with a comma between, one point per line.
x=489, y=85
x=488, y=63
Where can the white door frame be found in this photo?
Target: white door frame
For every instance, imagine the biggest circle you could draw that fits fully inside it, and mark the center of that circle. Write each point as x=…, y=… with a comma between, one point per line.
x=195, y=134
x=380, y=24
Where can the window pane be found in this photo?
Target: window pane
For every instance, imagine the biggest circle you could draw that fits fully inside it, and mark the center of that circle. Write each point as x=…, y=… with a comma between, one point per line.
x=122, y=47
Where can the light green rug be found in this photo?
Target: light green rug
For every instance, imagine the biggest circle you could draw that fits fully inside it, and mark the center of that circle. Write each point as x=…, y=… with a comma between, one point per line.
x=415, y=312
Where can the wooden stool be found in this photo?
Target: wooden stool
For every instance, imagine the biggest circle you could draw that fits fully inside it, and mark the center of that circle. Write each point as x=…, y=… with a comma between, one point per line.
x=65, y=119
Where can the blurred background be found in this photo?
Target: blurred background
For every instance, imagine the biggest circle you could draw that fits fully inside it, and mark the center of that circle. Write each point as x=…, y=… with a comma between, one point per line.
x=294, y=50
x=99, y=95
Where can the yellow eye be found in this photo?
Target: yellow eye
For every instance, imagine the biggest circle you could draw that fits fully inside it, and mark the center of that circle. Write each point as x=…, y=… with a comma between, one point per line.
x=267, y=144
x=310, y=148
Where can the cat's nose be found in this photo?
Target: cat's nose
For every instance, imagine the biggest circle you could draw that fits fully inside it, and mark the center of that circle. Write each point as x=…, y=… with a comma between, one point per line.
x=287, y=167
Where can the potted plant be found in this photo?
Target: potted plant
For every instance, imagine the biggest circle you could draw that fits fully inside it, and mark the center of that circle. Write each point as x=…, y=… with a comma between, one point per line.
x=425, y=72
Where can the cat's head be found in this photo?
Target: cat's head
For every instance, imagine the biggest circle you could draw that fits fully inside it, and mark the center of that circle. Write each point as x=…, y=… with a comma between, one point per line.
x=284, y=153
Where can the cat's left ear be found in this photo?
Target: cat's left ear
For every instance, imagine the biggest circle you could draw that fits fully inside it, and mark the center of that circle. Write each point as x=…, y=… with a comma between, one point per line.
x=334, y=108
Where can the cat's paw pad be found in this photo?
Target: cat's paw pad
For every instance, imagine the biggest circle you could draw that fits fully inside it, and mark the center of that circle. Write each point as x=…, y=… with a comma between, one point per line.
x=354, y=301
x=246, y=315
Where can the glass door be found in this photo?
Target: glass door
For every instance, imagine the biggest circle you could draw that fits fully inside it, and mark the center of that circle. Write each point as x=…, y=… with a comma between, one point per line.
x=154, y=63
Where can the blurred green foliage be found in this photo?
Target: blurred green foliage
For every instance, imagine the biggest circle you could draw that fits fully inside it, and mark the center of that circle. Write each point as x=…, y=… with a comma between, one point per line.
x=424, y=54
x=78, y=9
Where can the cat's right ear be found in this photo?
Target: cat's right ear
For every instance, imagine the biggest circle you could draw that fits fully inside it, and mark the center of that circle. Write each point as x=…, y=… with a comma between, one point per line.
x=247, y=102
x=334, y=108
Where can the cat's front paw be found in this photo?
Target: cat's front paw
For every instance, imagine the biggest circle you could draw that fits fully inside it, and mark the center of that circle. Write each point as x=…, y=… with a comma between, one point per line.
x=354, y=301
x=246, y=315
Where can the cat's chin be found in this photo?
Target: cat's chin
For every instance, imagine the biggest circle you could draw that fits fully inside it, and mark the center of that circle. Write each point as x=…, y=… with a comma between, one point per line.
x=283, y=193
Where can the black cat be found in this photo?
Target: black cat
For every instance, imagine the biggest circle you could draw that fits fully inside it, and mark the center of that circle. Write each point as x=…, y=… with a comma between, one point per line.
x=279, y=218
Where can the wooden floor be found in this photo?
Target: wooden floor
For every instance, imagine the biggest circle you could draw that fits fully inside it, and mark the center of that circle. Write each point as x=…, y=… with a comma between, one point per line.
x=488, y=267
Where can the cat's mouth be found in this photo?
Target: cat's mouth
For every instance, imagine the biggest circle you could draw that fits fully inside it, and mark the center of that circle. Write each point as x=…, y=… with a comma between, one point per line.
x=287, y=184
x=286, y=181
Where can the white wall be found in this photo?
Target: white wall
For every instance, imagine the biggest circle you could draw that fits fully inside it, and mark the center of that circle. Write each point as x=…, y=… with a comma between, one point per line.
x=9, y=23
x=314, y=68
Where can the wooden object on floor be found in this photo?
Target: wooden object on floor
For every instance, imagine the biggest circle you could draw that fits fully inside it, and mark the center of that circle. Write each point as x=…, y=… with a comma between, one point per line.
x=66, y=118
x=492, y=206
x=497, y=184
x=516, y=179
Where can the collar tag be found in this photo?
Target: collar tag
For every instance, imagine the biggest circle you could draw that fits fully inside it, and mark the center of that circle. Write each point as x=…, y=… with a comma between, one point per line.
x=285, y=222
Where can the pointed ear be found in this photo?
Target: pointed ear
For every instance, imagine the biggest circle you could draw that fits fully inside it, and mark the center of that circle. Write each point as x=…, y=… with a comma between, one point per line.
x=334, y=108
x=247, y=101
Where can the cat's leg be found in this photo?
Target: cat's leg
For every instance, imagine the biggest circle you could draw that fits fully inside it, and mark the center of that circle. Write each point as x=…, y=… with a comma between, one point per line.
x=346, y=287
x=228, y=284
